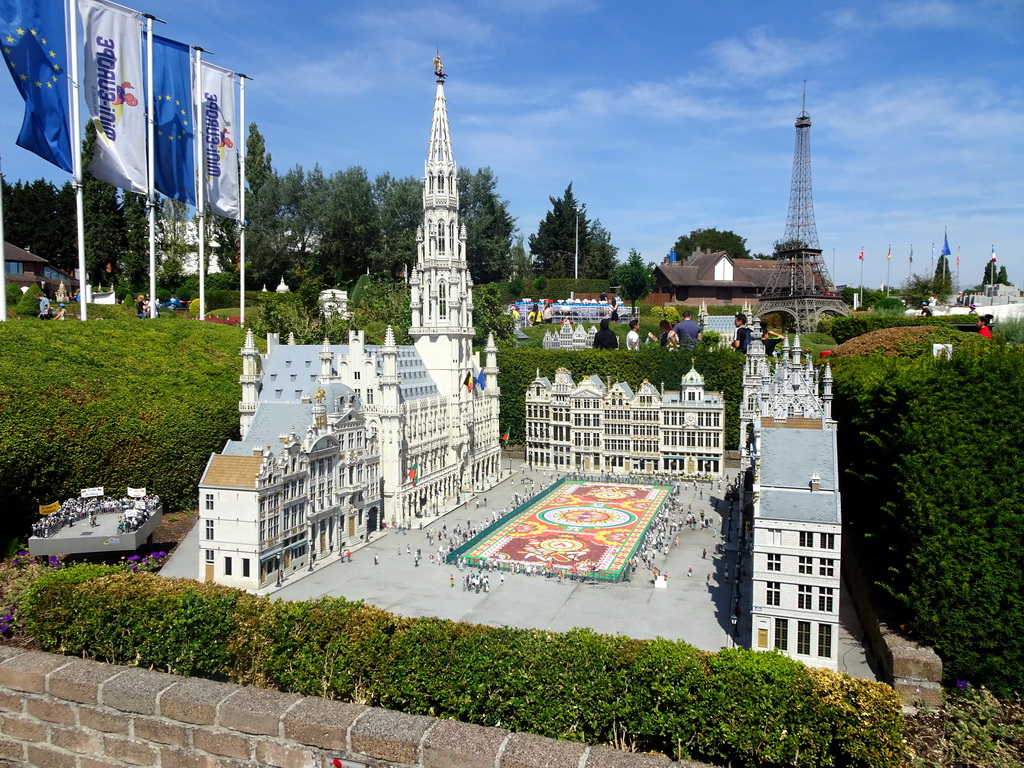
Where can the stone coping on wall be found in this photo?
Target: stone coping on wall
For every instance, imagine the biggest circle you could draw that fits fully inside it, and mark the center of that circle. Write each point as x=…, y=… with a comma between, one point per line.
x=58, y=711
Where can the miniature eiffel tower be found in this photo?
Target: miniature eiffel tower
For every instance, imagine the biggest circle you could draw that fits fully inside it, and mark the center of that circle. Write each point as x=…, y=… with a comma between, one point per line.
x=800, y=285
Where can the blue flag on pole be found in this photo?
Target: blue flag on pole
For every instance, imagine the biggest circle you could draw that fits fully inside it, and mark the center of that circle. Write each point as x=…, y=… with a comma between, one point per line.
x=945, y=246
x=32, y=38
x=173, y=144
x=481, y=380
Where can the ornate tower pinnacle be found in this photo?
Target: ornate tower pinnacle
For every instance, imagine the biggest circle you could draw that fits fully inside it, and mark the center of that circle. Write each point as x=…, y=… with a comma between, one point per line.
x=800, y=229
x=799, y=285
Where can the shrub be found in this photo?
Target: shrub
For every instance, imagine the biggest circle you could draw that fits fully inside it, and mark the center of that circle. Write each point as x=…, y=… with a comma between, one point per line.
x=114, y=402
x=742, y=708
x=193, y=308
x=28, y=304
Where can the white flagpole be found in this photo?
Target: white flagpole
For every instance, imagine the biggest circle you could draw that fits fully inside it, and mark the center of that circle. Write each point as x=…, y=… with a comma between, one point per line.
x=241, y=196
x=201, y=180
x=150, y=162
x=76, y=157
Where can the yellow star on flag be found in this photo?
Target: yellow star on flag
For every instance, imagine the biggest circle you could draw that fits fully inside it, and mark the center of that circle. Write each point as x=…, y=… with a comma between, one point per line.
x=20, y=31
x=33, y=32
x=53, y=54
x=10, y=39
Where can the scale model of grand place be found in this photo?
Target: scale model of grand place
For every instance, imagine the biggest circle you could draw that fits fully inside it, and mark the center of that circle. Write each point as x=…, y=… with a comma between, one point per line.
x=336, y=440
x=594, y=427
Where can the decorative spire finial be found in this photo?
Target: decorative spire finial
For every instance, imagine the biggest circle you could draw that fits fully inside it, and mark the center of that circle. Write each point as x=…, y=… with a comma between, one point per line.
x=439, y=67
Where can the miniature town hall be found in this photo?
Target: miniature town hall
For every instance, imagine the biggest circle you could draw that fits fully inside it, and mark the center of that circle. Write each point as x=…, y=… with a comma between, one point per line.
x=593, y=427
x=337, y=440
x=791, y=504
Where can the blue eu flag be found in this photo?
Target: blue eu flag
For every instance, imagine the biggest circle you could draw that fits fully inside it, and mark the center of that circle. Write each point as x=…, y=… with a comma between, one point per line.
x=32, y=38
x=173, y=145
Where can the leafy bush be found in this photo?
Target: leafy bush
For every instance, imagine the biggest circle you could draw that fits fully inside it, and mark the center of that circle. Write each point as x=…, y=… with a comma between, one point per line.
x=117, y=402
x=845, y=328
x=28, y=304
x=935, y=482
x=193, y=308
x=738, y=707
x=890, y=306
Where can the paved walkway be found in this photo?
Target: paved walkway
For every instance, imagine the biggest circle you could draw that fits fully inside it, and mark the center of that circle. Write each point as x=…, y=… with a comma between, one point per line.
x=696, y=608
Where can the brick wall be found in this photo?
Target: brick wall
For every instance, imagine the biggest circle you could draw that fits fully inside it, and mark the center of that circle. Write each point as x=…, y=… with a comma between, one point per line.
x=63, y=712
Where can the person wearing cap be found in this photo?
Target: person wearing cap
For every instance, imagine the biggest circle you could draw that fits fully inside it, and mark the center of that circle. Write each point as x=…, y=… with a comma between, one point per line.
x=926, y=311
x=62, y=314
x=549, y=312
x=974, y=310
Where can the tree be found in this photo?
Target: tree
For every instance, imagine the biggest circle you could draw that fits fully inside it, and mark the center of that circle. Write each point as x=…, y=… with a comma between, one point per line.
x=346, y=223
x=635, y=279
x=103, y=219
x=227, y=234
x=398, y=212
x=41, y=219
x=602, y=256
x=173, y=240
x=714, y=240
x=489, y=315
x=991, y=273
x=522, y=267
x=489, y=226
x=942, y=280
x=553, y=247
x=135, y=259
x=258, y=167
x=1001, y=278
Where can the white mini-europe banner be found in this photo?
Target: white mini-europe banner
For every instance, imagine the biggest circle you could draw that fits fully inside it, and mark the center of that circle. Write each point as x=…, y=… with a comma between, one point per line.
x=136, y=493
x=218, y=140
x=88, y=493
x=113, y=87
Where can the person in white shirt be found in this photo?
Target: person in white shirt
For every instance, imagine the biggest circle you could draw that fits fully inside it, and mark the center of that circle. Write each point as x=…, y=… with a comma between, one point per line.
x=633, y=337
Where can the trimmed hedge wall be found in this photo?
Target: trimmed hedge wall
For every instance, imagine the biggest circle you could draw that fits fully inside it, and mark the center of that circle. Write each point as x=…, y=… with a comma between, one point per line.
x=845, y=328
x=112, y=402
x=517, y=367
x=736, y=707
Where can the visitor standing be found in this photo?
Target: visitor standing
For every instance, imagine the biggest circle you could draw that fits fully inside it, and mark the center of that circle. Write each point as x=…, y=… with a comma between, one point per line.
x=742, y=340
x=606, y=338
x=687, y=332
x=633, y=337
x=44, y=306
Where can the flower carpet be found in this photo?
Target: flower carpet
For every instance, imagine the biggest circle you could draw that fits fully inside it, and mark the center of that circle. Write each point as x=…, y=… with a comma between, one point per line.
x=586, y=528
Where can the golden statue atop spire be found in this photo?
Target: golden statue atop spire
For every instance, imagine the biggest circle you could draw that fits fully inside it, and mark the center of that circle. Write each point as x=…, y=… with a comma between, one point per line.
x=439, y=67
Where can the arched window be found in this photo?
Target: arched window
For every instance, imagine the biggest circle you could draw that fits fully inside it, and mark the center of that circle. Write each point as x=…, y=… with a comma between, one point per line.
x=440, y=183
x=442, y=304
x=440, y=237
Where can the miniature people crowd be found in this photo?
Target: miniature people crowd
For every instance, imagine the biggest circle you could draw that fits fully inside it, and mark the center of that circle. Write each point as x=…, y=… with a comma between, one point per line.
x=76, y=510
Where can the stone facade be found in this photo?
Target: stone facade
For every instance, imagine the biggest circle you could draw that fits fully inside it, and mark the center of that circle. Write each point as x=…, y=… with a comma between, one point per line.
x=593, y=427
x=58, y=711
x=794, y=512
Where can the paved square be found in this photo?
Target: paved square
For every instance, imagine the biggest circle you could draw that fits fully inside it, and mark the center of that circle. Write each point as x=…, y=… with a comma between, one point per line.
x=585, y=528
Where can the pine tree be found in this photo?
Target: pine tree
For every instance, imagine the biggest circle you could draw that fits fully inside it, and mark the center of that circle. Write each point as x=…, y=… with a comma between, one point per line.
x=103, y=220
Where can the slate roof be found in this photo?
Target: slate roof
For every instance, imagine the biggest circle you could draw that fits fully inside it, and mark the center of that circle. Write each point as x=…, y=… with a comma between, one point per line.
x=789, y=457
x=290, y=372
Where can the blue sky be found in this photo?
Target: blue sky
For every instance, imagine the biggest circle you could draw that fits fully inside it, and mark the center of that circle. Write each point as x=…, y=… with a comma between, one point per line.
x=666, y=116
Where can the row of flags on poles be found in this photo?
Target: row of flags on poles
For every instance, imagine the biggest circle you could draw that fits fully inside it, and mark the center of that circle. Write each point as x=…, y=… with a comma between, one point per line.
x=944, y=252
x=194, y=105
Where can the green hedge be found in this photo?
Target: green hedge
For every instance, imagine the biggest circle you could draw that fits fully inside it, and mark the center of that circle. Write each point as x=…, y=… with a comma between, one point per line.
x=737, y=707
x=934, y=486
x=112, y=402
x=846, y=328
x=517, y=367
